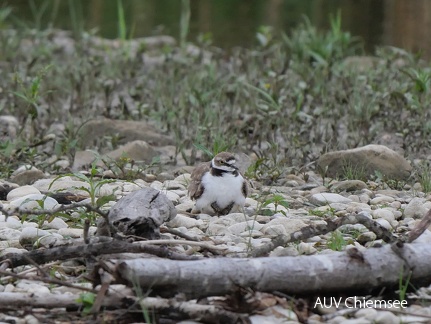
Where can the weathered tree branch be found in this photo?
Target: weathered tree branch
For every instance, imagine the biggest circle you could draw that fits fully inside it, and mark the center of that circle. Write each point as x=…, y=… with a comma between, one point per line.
x=420, y=227
x=170, y=307
x=94, y=249
x=294, y=275
x=330, y=226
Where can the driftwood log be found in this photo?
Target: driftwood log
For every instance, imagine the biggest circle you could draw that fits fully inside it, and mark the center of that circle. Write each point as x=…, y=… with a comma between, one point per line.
x=335, y=272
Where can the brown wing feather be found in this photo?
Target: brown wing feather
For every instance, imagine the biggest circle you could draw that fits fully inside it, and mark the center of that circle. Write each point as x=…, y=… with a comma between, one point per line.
x=195, y=187
x=245, y=188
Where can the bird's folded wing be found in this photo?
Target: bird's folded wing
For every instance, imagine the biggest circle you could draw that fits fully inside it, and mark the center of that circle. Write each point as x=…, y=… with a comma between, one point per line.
x=195, y=187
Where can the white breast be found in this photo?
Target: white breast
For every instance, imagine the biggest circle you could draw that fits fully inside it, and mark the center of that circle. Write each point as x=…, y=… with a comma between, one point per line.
x=224, y=190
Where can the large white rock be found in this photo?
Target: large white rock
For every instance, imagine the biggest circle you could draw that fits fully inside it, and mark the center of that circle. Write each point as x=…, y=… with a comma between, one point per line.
x=62, y=184
x=34, y=201
x=21, y=191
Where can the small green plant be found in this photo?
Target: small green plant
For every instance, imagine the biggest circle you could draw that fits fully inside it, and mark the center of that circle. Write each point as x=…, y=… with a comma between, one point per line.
x=268, y=166
x=265, y=35
x=122, y=28
x=95, y=181
x=307, y=44
x=351, y=171
x=219, y=145
x=330, y=211
x=87, y=299
x=141, y=296
x=421, y=79
x=31, y=93
x=403, y=284
x=336, y=242
x=184, y=22
x=128, y=169
x=278, y=201
x=424, y=177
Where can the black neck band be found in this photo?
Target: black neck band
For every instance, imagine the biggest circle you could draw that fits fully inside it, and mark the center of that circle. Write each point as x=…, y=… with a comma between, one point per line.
x=219, y=173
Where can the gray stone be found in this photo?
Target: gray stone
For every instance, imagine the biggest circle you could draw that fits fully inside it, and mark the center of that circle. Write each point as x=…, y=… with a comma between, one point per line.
x=185, y=221
x=7, y=234
x=185, y=206
x=383, y=213
x=237, y=217
x=238, y=228
x=326, y=198
x=291, y=225
x=366, y=237
x=172, y=196
x=12, y=250
x=349, y=185
x=367, y=313
x=368, y=160
x=30, y=235
x=13, y=222
x=136, y=150
x=126, y=130
x=71, y=232
x=139, y=213
x=9, y=127
x=26, y=175
x=129, y=187
x=306, y=248
x=287, y=251
x=275, y=230
x=57, y=223
x=251, y=233
x=381, y=200
x=164, y=176
x=31, y=287
x=216, y=229
x=415, y=208
x=384, y=223
x=386, y=317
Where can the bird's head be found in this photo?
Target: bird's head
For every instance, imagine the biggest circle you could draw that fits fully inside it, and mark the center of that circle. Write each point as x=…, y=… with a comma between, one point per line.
x=224, y=161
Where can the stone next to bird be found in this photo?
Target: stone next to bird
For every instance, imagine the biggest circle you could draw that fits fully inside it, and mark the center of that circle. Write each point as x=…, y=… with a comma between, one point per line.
x=218, y=186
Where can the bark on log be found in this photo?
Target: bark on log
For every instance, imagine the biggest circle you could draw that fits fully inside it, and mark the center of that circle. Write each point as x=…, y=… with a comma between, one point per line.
x=333, y=272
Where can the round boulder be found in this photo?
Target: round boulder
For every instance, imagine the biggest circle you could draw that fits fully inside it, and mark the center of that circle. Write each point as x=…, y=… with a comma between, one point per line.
x=366, y=161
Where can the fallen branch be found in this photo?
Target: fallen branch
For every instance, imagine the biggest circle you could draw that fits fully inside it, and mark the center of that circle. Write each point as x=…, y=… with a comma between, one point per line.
x=94, y=249
x=293, y=275
x=36, y=300
x=168, y=307
x=46, y=280
x=61, y=208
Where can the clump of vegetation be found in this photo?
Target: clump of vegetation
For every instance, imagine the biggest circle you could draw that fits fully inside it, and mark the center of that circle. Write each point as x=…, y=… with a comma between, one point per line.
x=336, y=242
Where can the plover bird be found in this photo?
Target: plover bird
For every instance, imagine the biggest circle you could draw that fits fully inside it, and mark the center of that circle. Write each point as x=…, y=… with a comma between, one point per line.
x=217, y=186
